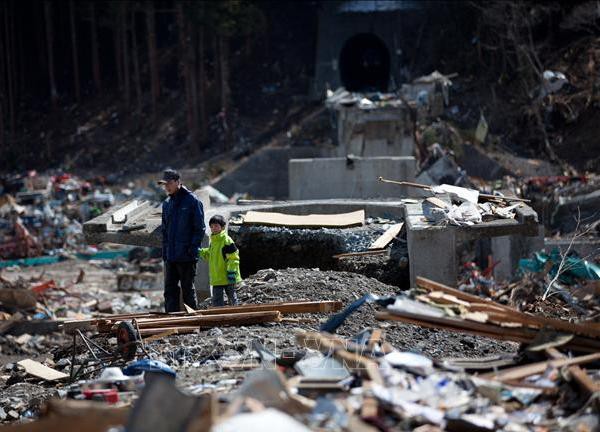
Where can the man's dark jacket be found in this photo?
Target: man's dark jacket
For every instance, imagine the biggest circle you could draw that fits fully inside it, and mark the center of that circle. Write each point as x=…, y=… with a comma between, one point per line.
x=182, y=226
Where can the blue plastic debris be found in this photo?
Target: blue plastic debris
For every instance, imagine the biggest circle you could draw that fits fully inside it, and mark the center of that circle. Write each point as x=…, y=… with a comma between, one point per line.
x=148, y=365
x=574, y=268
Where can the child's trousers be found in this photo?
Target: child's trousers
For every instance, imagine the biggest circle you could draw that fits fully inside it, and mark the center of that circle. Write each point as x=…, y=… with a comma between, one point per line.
x=218, y=297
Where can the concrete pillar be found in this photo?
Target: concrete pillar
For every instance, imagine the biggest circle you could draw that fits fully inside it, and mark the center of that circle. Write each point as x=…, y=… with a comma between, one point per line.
x=510, y=249
x=432, y=254
x=201, y=281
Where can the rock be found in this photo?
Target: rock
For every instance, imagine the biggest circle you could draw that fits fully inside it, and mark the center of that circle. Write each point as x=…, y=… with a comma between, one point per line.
x=13, y=415
x=3, y=414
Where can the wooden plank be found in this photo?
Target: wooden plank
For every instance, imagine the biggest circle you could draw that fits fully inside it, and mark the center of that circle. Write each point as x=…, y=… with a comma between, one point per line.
x=6, y=325
x=41, y=371
x=357, y=254
x=583, y=379
x=387, y=236
x=437, y=202
x=120, y=215
x=105, y=323
x=340, y=220
x=511, y=313
x=283, y=307
x=147, y=333
x=161, y=335
x=476, y=329
x=521, y=372
x=246, y=318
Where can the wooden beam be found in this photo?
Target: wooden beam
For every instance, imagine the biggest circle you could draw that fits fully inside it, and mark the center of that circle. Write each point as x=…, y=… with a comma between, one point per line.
x=105, y=324
x=578, y=374
x=510, y=313
x=284, y=307
x=521, y=372
x=358, y=254
x=246, y=318
x=492, y=331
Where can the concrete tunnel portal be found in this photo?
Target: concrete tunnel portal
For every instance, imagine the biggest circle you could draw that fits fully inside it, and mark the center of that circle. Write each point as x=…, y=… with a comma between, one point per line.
x=365, y=64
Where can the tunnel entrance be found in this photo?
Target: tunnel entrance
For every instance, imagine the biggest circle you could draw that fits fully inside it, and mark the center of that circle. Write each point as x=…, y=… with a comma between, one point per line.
x=365, y=64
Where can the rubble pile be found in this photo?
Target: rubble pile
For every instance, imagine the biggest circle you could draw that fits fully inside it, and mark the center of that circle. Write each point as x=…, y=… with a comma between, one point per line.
x=567, y=203
x=41, y=215
x=351, y=369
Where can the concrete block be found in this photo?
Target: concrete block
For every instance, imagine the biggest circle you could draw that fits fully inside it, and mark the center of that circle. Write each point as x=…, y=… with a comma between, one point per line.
x=386, y=131
x=510, y=249
x=432, y=254
x=327, y=178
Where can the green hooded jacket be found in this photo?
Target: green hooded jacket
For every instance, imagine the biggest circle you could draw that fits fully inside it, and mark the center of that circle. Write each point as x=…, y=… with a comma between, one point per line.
x=223, y=259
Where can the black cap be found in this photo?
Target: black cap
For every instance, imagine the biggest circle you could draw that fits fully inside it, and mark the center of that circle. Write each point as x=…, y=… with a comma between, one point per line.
x=169, y=175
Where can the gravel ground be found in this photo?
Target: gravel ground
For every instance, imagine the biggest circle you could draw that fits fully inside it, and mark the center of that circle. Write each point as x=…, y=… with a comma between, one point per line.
x=198, y=358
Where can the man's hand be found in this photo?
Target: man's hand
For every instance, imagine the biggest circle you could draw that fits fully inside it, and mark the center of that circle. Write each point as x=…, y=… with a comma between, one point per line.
x=231, y=277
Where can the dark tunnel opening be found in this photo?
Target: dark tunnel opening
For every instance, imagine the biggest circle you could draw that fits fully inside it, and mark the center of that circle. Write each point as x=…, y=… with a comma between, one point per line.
x=365, y=64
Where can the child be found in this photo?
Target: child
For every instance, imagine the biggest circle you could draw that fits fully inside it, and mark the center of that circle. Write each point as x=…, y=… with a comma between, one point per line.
x=223, y=262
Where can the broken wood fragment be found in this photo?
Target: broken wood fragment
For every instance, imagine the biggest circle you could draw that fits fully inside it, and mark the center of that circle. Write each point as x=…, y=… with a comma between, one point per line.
x=521, y=372
x=330, y=344
x=357, y=254
x=387, y=236
x=39, y=370
x=577, y=373
x=246, y=318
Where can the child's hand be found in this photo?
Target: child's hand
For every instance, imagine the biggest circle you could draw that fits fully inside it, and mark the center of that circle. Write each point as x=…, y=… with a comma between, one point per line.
x=231, y=277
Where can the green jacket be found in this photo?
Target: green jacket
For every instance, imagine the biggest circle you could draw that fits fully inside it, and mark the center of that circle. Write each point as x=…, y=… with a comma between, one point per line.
x=223, y=259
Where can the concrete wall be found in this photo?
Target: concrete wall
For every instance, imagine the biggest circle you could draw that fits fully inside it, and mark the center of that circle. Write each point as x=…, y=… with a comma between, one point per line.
x=265, y=173
x=374, y=132
x=342, y=178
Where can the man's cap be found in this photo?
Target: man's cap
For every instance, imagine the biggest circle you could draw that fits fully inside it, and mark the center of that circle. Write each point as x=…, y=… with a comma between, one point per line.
x=169, y=175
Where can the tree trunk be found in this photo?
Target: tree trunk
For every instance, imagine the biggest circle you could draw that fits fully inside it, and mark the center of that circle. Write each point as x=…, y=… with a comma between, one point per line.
x=9, y=72
x=2, y=97
x=50, y=49
x=186, y=65
x=136, y=62
x=216, y=77
x=224, y=84
x=22, y=54
x=75, y=55
x=95, y=54
x=15, y=75
x=126, y=63
x=118, y=45
x=152, y=57
x=224, y=71
x=202, y=86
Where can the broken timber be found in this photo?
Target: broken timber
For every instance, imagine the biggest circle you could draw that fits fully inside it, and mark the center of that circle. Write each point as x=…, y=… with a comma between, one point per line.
x=487, y=318
x=105, y=324
x=330, y=344
x=387, y=236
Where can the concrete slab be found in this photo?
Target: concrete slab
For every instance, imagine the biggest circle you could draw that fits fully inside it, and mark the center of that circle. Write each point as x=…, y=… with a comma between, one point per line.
x=432, y=248
x=349, y=178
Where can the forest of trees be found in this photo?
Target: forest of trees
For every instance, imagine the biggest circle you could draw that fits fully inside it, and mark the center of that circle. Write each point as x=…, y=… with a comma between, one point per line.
x=57, y=53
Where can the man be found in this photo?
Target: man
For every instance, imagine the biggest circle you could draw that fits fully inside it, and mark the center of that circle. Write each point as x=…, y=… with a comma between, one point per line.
x=182, y=232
